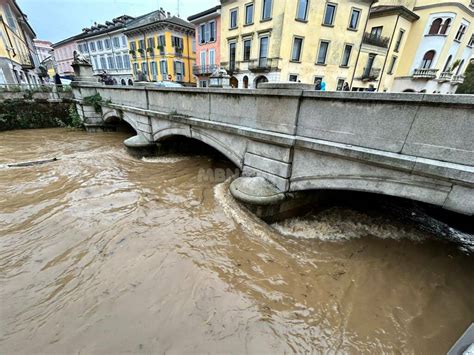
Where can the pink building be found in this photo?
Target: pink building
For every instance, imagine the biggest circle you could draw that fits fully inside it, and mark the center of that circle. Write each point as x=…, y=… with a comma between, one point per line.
x=63, y=53
x=208, y=32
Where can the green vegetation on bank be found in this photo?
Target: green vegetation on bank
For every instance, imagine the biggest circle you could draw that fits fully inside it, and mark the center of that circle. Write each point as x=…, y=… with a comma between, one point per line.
x=26, y=114
x=468, y=86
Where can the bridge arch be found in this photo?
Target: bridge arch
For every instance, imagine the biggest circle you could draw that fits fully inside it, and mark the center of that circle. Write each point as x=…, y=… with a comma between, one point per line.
x=203, y=137
x=117, y=118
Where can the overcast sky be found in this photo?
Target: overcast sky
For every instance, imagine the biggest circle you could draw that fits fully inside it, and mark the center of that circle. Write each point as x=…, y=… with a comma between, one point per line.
x=55, y=20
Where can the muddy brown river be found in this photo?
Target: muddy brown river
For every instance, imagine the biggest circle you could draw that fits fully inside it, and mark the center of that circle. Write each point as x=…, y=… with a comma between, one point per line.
x=104, y=253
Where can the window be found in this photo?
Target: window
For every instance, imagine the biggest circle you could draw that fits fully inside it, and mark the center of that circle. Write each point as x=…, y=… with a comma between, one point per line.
x=392, y=65
x=110, y=61
x=340, y=84
x=202, y=59
x=323, y=52
x=459, y=71
x=435, y=26
x=212, y=31
x=92, y=46
x=346, y=55
x=232, y=47
x=212, y=57
x=296, y=52
x=151, y=43
x=124, y=41
x=202, y=33
x=154, y=71
x=116, y=42
x=9, y=15
x=247, y=49
x=179, y=71
x=177, y=43
x=249, y=14
x=164, y=69
x=162, y=44
x=445, y=27
x=126, y=61
x=133, y=46
x=107, y=43
x=448, y=61
x=368, y=67
x=293, y=78
x=428, y=59
x=263, y=54
x=471, y=41
x=376, y=32
x=135, y=69
x=100, y=46
x=119, y=62
x=267, y=10
x=302, y=11
x=233, y=18
x=193, y=45
x=329, y=14
x=141, y=44
x=96, y=63
x=318, y=79
x=103, y=63
x=461, y=31
x=399, y=40
x=203, y=83
x=354, y=21
x=145, y=68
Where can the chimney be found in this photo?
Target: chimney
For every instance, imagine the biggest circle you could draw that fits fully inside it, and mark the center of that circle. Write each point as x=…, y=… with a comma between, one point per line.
x=168, y=13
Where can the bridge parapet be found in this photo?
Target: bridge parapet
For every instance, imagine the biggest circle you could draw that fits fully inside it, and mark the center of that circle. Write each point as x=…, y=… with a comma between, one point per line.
x=416, y=146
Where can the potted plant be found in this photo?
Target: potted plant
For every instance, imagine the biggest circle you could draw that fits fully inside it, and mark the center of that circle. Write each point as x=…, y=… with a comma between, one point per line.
x=150, y=50
x=161, y=48
x=141, y=51
x=132, y=52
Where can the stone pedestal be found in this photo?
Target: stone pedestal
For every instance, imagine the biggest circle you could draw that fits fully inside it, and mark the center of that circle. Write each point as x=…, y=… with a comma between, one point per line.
x=84, y=73
x=139, y=146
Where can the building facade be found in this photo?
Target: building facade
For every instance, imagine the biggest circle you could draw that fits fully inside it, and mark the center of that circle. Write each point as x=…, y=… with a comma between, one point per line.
x=106, y=48
x=18, y=58
x=420, y=46
x=63, y=54
x=208, y=38
x=162, y=48
x=303, y=40
x=43, y=49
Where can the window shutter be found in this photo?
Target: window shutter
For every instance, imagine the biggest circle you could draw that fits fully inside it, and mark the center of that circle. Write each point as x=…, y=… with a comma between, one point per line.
x=208, y=32
x=182, y=66
x=199, y=36
x=174, y=68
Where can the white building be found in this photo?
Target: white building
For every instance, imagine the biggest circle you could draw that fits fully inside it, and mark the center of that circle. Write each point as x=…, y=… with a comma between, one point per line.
x=106, y=48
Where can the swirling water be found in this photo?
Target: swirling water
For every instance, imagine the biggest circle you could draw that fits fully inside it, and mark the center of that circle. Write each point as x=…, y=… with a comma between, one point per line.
x=104, y=253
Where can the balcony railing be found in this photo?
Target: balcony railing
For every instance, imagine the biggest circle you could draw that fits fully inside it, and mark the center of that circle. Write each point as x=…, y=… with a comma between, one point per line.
x=204, y=69
x=376, y=40
x=263, y=65
x=425, y=73
x=231, y=67
x=445, y=76
x=458, y=79
x=371, y=75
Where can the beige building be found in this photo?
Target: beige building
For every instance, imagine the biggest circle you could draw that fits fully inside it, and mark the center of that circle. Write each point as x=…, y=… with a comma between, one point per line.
x=416, y=46
x=298, y=40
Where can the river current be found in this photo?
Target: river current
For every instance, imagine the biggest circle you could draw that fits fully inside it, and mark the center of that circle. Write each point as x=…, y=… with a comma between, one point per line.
x=104, y=253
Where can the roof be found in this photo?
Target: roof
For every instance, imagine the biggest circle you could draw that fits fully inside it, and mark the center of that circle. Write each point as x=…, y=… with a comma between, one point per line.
x=115, y=24
x=154, y=17
x=24, y=19
x=204, y=13
x=387, y=10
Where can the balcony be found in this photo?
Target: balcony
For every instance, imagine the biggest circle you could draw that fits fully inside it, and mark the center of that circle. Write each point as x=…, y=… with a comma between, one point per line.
x=445, y=76
x=374, y=40
x=263, y=65
x=371, y=75
x=458, y=79
x=204, y=69
x=425, y=73
x=231, y=67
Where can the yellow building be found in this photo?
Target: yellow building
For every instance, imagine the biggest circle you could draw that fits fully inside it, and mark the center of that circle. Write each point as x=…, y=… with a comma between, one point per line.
x=18, y=58
x=162, y=47
x=298, y=40
x=416, y=46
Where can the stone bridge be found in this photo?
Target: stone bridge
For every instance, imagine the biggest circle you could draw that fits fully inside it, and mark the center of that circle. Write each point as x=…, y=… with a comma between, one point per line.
x=414, y=146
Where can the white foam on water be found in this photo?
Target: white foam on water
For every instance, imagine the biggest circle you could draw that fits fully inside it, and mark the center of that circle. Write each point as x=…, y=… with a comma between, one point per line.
x=340, y=224
x=164, y=160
